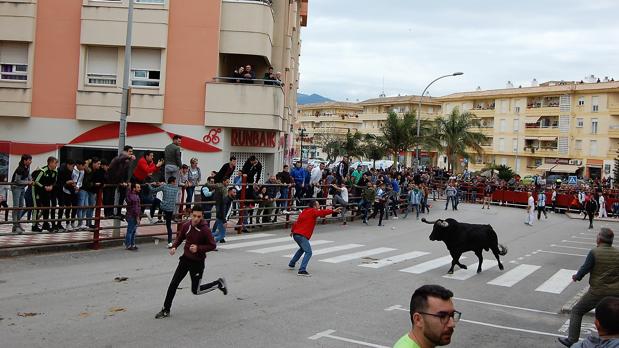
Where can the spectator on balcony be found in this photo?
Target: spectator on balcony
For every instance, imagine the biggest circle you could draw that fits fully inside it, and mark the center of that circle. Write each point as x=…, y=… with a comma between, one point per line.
x=269, y=77
x=248, y=74
x=238, y=74
x=278, y=78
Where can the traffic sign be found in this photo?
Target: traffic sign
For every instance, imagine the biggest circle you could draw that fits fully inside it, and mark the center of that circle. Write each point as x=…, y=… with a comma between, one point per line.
x=572, y=180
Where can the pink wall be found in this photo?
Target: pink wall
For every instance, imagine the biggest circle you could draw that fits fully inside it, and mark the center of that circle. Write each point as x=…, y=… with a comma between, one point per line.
x=193, y=55
x=56, y=61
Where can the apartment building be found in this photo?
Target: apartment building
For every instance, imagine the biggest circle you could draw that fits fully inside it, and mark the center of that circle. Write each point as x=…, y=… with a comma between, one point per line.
x=367, y=117
x=569, y=128
x=62, y=71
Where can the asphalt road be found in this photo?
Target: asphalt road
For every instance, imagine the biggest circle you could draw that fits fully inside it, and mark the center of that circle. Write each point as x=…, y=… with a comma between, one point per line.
x=353, y=299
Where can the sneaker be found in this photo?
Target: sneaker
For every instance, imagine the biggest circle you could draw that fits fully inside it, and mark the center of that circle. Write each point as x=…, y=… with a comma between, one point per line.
x=222, y=286
x=291, y=267
x=395, y=217
x=36, y=228
x=565, y=341
x=133, y=248
x=222, y=241
x=18, y=230
x=159, y=222
x=164, y=313
x=303, y=274
x=286, y=212
x=169, y=245
x=365, y=222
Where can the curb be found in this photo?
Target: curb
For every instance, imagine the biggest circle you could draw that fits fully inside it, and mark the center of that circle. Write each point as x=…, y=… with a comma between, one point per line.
x=569, y=305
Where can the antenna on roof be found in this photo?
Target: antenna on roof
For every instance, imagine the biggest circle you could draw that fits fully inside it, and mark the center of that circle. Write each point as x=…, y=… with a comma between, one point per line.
x=534, y=83
x=382, y=95
x=478, y=88
x=509, y=85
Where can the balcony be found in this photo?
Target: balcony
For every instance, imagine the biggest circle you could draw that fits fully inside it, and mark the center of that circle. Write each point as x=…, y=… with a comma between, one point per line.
x=105, y=106
x=542, y=151
x=105, y=23
x=247, y=28
x=487, y=131
x=613, y=131
x=613, y=110
x=483, y=112
x=542, y=111
x=537, y=130
x=243, y=105
x=17, y=20
x=15, y=101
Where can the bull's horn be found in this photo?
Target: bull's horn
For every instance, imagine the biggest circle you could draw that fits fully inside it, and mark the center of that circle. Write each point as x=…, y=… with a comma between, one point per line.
x=443, y=223
x=427, y=222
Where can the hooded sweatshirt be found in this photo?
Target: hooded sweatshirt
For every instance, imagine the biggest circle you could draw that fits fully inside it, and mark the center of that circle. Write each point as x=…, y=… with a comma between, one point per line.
x=199, y=235
x=596, y=342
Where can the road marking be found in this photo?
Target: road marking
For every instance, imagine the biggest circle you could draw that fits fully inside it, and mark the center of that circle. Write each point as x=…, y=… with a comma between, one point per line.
x=559, y=253
x=254, y=243
x=286, y=247
x=568, y=247
x=514, y=275
x=332, y=249
x=249, y=236
x=587, y=238
x=394, y=259
x=558, y=282
x=357, y=255
x=577, y=242
x=589, y=234
x=328, y=334
x=465, y=274
x=429, y=265
x=504, y=306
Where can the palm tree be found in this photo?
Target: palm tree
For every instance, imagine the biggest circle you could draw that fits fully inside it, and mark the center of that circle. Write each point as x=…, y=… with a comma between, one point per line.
x=373, y=149
x=352, y=145
x=397, y=134
x=453, y=135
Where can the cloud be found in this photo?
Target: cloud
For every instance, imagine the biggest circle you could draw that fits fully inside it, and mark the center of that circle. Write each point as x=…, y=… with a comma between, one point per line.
x=349, y=47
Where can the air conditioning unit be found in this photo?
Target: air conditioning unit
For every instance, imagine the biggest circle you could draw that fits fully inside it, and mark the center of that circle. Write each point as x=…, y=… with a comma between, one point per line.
x=576, y=162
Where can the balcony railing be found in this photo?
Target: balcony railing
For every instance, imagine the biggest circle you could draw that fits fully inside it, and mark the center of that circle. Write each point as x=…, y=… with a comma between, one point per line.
x=613, y=131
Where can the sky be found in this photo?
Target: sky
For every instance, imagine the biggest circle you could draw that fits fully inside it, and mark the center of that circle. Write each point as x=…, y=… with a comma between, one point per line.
x=350, y=46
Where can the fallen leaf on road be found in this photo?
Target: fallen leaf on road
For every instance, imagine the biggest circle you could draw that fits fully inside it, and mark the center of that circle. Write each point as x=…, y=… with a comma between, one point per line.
x=27, y=314
x=84, y=315
x=116, y=309
x=120, y=279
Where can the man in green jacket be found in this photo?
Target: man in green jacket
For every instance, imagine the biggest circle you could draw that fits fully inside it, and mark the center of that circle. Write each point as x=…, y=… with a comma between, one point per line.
x=602, y=264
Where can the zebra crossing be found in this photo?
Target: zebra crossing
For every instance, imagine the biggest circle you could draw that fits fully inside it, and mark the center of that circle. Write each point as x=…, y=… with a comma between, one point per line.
x=423, y=261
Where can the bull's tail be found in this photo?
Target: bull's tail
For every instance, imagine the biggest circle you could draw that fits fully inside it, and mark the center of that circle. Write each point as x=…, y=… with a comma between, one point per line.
x=503, y=250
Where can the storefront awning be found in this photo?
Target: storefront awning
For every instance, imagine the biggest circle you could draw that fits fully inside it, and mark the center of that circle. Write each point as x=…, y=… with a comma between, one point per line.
x=548, y=138
x=565, y=168
x=532, y=119
x=546, y=167
x=531, y=138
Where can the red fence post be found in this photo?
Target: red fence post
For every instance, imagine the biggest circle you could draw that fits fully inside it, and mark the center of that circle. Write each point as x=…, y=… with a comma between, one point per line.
x=95, y=236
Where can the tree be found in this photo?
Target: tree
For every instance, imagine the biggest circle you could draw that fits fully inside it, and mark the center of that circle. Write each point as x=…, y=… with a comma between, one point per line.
x=505, y=172
x=373, y=149
x=397, y=134
x=330, y=145
x=352, y=145
x=453, y=135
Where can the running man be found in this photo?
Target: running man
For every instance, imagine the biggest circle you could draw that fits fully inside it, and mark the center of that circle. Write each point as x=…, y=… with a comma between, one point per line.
x=302, y=231
x=198, y=241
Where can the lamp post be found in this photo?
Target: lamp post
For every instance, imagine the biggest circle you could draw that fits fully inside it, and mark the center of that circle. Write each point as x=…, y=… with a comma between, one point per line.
x=419, y=110
x=302, y=134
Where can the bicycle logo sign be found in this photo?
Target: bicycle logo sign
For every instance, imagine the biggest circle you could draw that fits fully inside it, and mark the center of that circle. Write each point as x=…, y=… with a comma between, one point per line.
x=212, y=137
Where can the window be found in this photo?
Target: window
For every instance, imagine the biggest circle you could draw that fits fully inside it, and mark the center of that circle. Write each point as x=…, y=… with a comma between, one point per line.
x=145, y=67
x=580, y=122
x=430, y=109
x=516, y=124
x=578, y=145
x=13, y=61
x=501, y=144
x=149, y=1
x=594, y=126
x=517, y=109
x=581, y=101
x=504, y=106
x=595, y=104
x=504, y=161
x=515, y=145
x=101, y=66
x=607, y=168
x=502, y=125
x=593, y=148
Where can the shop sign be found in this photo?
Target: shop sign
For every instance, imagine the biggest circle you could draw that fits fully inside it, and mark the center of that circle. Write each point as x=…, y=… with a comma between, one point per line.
x=253, y=138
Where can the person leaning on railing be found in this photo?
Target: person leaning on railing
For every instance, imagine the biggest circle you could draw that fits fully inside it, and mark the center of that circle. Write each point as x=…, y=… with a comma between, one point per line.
x=21, y=179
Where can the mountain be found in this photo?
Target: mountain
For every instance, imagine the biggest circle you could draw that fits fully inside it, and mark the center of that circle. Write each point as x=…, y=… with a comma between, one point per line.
x=310, y=99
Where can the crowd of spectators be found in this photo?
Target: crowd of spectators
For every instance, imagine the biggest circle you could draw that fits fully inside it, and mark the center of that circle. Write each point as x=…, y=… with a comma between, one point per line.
x=246, y=74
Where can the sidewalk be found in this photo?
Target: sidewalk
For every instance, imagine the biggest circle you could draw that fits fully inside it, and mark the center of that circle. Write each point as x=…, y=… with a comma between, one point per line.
x=580, y=216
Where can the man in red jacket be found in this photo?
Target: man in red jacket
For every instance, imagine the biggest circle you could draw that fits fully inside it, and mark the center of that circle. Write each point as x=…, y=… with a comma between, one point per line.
x=302, y=231
x=198, y=241
x=146, y=167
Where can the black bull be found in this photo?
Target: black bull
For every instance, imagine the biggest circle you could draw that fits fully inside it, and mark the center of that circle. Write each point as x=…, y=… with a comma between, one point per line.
x=462, y=237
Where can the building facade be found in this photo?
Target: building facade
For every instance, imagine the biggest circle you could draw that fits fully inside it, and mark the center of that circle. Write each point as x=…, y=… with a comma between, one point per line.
x=564, y=128
x=62, y=72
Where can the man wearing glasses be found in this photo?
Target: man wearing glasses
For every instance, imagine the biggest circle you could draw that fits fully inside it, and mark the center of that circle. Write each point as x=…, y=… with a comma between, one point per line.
x=433, y=317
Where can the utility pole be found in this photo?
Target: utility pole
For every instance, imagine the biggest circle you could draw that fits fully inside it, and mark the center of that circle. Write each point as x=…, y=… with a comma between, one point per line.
x=124, y=106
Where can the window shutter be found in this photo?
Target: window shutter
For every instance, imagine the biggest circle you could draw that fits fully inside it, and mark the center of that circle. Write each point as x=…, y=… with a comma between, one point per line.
x=102, y=60
x=145, y=59
x=14, y=53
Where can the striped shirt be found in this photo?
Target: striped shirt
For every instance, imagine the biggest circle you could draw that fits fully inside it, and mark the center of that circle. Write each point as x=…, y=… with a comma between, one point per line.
x=170, y=195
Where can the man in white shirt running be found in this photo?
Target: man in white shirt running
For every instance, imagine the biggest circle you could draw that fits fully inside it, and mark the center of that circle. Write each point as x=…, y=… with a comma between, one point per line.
x=530, y=210
x=602, y=202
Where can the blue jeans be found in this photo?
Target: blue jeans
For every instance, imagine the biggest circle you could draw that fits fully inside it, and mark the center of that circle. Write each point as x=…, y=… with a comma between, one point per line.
x=451, y=199
x=19, y=199
x=219, y=230
x=132, y=226
x=91, y=200
x=365, y=207
x=412, y=207
x=82, y=200
x=283, y=198
x=304, y=248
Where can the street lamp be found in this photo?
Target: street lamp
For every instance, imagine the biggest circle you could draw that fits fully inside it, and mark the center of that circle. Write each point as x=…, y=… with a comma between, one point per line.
x=302, y=134
x=419, y=110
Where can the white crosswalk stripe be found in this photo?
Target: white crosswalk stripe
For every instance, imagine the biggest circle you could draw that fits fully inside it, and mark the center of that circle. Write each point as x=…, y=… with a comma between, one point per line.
x=248, y=236
x=357, y=255
x=513, y=276
x=332, y=249
x=429, y=265
x=471, y=270
x=558, y=282
x=254, y=243
x=286, y=247
x=394, y=259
